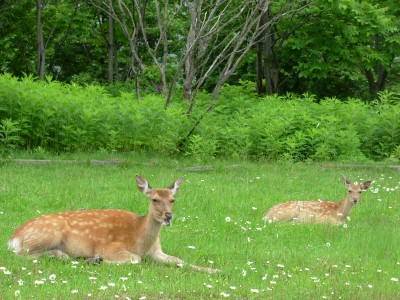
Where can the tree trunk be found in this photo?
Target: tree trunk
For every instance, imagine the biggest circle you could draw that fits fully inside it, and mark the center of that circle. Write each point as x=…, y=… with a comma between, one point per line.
x=189, y=61
x=41, y=55
x=110, y=47
x=376, y=86
x=260, y=73
x=267, y=65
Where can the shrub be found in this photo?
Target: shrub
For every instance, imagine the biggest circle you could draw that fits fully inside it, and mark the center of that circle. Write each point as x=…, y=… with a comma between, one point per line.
x=59, y=117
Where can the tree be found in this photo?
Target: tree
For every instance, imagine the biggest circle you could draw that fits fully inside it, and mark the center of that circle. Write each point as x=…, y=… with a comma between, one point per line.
x=219, y=38
x=41, y=51
x=344, y=42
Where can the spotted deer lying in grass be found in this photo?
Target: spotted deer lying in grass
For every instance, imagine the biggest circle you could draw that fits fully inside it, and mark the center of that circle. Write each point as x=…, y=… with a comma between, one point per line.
x=113, y=236
x=334, y=213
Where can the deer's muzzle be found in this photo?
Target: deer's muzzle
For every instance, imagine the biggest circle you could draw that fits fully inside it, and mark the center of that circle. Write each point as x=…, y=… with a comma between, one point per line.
x=167, y=219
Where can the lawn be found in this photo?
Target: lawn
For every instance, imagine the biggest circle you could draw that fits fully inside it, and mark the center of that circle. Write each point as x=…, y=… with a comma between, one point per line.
x=217, y=223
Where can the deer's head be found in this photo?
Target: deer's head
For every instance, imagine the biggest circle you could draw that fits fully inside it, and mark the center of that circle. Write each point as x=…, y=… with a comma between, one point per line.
x=355, y=189
x=161, y=200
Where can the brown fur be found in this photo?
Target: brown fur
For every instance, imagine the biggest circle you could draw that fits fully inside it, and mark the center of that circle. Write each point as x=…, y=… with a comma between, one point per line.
x=327, y=212
x=115, y=236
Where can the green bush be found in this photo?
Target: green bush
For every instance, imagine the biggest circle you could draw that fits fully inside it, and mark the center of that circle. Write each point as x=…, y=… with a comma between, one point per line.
x=71, y=118
x=58, y=117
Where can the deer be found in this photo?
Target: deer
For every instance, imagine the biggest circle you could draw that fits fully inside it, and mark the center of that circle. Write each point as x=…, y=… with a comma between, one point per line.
x=318, y=212
x=111, y=236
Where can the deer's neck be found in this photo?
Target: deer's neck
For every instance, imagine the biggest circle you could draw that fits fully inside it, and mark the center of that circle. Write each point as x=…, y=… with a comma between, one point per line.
x=344, y=208
x=150, y=234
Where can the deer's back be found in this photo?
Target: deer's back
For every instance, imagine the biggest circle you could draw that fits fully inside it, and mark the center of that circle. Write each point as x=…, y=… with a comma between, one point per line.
x=77, y=233
x=303, y=211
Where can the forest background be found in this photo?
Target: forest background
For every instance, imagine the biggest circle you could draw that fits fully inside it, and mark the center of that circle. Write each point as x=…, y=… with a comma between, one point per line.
x=292, y=80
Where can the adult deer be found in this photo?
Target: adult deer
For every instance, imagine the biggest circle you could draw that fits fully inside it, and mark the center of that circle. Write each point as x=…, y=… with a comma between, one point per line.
x=334, y=213
x=114, y=236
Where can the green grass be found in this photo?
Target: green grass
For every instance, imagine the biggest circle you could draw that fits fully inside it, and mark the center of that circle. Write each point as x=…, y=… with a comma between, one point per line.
x=218, y=212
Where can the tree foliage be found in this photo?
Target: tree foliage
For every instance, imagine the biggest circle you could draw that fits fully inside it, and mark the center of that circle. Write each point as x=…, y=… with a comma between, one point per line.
x=329, y=48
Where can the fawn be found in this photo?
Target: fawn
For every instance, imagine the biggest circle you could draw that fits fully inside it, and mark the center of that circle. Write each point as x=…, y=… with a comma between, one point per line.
x=113, y=236
x=326, y=212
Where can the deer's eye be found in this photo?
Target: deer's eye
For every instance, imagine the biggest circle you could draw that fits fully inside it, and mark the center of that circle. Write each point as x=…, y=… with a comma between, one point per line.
x=172, y=201
x=155, y=201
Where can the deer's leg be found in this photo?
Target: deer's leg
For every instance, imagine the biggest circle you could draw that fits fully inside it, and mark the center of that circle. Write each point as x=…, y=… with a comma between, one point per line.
x=204, y=269
x=160, y=256
x=57, y=253
x=117, y=253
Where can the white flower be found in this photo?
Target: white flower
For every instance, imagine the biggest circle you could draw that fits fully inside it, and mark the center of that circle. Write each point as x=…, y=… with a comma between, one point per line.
x=191, y=247
x=92, y=278
x=344, y=225
x=394, y=279
x=17, y=293
x=103, y=287
x=227, y=219
x=75, y=262
x=244, y=272
x=232, y=287
x=20, y=282
x=134, y=261
x=328, y=245
x=223, y=294
x=272, y=282
x=209, y=286
x=124, y=278
x=111, y=284
x=280, y=266
x=264, y=277
x=52, y=277
x=254, y=208
x=39, y=282
x=74, y=291
x=254, y=291
x=370, y=286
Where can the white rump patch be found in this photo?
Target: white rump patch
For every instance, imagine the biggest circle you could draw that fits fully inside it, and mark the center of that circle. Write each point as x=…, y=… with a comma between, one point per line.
x=14, y=245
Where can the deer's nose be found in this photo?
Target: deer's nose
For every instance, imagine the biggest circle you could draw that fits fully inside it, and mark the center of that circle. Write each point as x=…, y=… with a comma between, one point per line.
x=355, y=201
x=168, y=216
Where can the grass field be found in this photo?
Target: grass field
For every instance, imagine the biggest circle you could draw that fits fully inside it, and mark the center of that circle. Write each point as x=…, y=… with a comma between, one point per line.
x=217, y=223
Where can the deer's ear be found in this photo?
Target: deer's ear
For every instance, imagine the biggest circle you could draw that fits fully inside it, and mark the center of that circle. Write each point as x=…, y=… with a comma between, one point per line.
x=345, y=181
x=365, y=185
x=174, y=187
x=143, y=186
